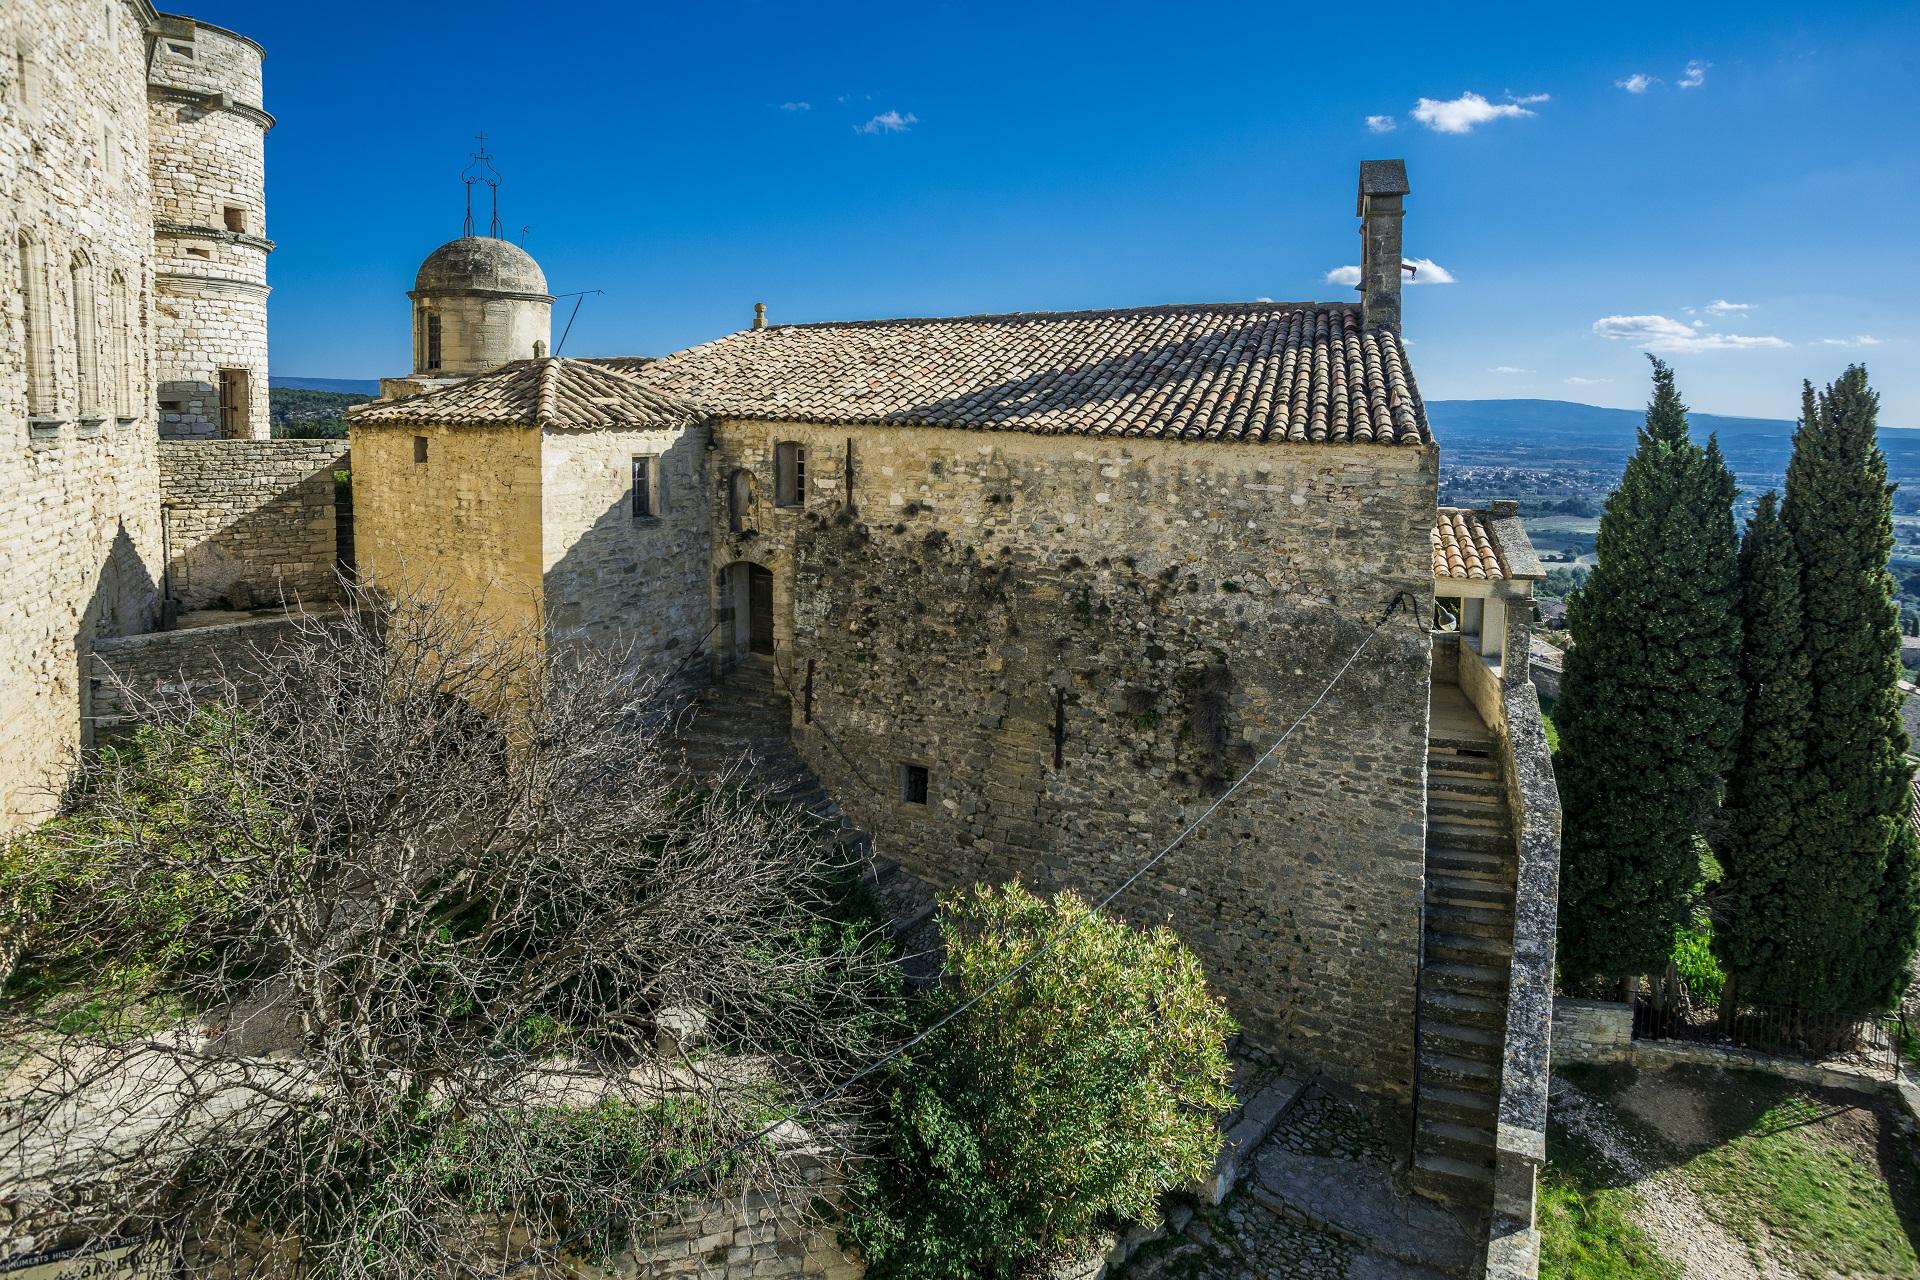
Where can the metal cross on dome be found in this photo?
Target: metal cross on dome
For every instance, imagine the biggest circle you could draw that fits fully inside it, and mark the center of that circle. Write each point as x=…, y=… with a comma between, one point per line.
x=480, y=169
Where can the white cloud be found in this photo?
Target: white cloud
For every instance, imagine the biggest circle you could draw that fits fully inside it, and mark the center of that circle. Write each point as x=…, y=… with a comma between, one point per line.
x=1638, y=82
x=1661, y=333
x=1507, y=368
x=1426, y=271
x=1382, y=124
x=1577, y=381
x=1696, y=74
x=888, y=122
x=796, y=106
x=1462, y=114
x=1721, y=307
x=1860, y=340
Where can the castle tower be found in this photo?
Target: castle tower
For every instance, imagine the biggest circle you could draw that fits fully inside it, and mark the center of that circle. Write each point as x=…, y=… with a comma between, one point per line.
x=207, y=139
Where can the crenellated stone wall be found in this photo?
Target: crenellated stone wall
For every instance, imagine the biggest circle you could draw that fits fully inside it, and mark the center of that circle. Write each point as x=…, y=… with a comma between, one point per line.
x=250, y=522
x=78, y=475
x=1081, y=641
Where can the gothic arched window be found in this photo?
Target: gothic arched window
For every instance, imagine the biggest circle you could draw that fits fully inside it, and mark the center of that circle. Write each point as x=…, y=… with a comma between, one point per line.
x=36, y=325
x=86, y=334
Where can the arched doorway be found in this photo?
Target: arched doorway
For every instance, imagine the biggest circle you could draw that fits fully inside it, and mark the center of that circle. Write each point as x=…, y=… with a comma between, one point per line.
x=749, y=587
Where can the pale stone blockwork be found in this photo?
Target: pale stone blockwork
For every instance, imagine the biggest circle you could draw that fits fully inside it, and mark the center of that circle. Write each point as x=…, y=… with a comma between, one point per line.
x=633, y=582
x=78, y=476
x=1080, y=641
x=209, y=210
x=250, y=522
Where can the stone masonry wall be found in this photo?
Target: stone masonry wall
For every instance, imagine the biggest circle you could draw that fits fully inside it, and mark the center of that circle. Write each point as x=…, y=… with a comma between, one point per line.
x=250, y=522
x=78, y=494
x=208, y=155
x=615, y=579
x=465, y=523
x=160, y=664
x=1081, y=640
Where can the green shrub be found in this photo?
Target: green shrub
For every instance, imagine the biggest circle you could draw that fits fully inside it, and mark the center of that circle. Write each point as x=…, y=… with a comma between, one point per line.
x=1070, y=1098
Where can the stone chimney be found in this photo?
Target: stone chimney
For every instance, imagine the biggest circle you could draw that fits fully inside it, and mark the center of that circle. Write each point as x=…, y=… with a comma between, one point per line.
x=759, y=315
x=1382, y=185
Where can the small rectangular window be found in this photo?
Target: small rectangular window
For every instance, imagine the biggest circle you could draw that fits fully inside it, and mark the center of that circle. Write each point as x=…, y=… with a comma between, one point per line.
x=646, y=498
x=913, y=783
x=192, y=252
x=419, y=448
x=236, y=219
x=433, y=342
x=789, y=475
x=179, y=50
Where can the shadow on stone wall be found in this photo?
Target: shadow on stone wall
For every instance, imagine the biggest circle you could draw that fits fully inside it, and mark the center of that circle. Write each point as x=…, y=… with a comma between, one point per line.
x=250, y=522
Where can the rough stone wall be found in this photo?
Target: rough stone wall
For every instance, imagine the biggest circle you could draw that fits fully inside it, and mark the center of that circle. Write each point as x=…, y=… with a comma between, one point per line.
x=1592, y=1031
x=160, y=664
x=78, y=496
x=615, y=579
x=1171, y=607
x=208, y=154
x=727, y=1240
x=250, y=522
x=464, y=523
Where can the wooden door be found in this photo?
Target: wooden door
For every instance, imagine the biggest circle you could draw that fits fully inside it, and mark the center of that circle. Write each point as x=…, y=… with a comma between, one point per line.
x=759, y=610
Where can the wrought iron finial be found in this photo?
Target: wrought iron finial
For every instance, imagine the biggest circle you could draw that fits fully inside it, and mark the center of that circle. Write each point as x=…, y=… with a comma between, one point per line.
x=480, y=169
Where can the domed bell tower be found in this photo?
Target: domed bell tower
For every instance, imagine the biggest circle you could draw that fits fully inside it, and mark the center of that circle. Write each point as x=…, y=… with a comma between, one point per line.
x=478, y=302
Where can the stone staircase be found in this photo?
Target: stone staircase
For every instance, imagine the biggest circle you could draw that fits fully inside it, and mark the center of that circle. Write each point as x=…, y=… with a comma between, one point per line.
x=1463, y=979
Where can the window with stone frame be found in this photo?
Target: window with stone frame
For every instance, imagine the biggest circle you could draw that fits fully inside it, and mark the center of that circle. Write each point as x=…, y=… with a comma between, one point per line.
x=236, y=219
x=647, y=496
x=915, y=783
x=433, y=341
x=739, y=500
x=122, y=348
x=86, y=335
x=36, y=325
x=789, y=474
x=419, y=449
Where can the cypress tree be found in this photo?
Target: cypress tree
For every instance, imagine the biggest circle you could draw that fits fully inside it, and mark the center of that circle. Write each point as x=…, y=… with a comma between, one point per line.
x=1650, y=700
x=1761, y=933
x=1860, y=862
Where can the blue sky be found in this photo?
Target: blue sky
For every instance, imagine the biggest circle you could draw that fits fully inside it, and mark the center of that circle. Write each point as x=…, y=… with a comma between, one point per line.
x=844, y=161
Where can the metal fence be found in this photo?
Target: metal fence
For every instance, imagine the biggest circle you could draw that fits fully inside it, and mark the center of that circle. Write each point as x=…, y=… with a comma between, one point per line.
x=1870, y=1037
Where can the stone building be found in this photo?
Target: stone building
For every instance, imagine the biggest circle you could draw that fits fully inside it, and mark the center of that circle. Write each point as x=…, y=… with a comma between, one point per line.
x=478, y=302
x=1029, y=590
x=125, y=139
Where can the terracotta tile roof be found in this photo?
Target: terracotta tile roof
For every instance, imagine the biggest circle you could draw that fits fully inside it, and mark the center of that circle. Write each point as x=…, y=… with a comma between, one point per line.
x=1462, y=547
x=1254, y=372
x=535, y=393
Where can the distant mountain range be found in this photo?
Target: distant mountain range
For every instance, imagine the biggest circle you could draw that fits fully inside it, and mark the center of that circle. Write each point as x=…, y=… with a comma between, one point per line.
x=352, y=386
x=1557, y=434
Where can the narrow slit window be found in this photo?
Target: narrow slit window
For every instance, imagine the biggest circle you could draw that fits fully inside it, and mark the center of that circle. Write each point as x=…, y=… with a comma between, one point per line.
x=122, y=349
x=789, y=474
x=913, y=783
x=36, y=326
x=86, y=335
x=433, y=342
x=646, y=500
x=419, y=449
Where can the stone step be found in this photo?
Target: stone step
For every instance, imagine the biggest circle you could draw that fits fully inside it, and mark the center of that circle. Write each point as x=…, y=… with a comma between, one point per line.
x=1466, y=891
x=1452, y=764
x=1470, y=1144
x=1453, y=786
x=1467, y=812
x=1471, y=864
x=1471, y=921
x=1451, y=1180
x=1453, y=976
x=1474, y=1044
x=1439, y=1008
x=1459, y=1106
x=1460, y=742
x=1463, y=948
x=1450, y=1071
x=1448, y=834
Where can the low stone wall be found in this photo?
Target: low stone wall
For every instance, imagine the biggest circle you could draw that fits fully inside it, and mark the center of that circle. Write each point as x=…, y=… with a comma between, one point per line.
x=249, y=522
x=726, y=1239
x=1520, y=1140
x=175, y=663
x=1591, y=1031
